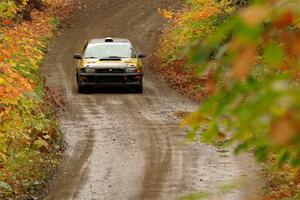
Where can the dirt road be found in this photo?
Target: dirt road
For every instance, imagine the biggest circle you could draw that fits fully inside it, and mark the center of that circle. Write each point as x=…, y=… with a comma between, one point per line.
x=126, y=146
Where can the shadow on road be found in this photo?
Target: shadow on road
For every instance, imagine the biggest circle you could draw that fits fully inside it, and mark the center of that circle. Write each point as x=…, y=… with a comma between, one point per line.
x=109, y=90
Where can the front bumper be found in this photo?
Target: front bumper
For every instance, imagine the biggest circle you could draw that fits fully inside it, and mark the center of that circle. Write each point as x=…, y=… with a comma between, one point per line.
x=110, y=79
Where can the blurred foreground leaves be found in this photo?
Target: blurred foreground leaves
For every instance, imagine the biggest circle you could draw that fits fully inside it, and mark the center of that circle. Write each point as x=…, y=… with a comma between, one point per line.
x=253, y=59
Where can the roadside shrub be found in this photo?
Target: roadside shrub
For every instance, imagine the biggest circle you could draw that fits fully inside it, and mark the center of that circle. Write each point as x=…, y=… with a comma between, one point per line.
x=194, y=22
x=29, y=136
x=202, y=18
x=9, y=9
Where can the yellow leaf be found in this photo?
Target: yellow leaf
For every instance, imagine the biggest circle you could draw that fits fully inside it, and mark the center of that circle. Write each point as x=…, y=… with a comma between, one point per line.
x=2, y=81
x=3, y=157
x=24, y=2
x=13, y=63
x=165, y=13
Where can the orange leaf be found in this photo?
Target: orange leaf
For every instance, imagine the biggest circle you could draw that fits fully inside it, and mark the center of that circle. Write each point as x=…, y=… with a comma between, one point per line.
x=243, y=62
x=254, y=14
x=284, y=20
x=283, y=131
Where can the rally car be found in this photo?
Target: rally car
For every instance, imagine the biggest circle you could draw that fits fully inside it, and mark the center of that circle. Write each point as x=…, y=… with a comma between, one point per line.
x=109, y=62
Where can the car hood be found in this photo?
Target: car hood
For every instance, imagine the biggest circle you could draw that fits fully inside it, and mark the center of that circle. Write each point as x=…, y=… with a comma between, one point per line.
x=123, y=63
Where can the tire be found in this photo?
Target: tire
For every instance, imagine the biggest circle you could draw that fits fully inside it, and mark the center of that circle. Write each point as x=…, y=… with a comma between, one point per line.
x=139, y=89
x=80, y=89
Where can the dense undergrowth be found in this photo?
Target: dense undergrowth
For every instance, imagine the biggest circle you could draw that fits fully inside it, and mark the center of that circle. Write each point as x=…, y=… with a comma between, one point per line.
x=198, y=19
x=29, y=137
x=243, y=64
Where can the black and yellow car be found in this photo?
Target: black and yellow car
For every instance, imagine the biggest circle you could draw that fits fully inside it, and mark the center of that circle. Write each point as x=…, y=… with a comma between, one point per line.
x=109, y=62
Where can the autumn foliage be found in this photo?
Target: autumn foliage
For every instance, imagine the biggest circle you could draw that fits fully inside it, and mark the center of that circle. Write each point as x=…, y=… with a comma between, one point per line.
x=29, y=137
x=198, y=19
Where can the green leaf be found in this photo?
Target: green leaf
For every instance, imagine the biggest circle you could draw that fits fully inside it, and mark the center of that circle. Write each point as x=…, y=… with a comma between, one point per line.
x=41, y=143
x=242, y=147
x=261, y=153
x=282, y=157
x=248, y=33
x=5, y=186
x=191, y=136
x=274, y=55
x=211, y=133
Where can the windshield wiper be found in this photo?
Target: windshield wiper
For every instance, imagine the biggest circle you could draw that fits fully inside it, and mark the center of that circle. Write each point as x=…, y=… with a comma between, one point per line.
x=115, y=57
x=90, y=57
x=112, y=58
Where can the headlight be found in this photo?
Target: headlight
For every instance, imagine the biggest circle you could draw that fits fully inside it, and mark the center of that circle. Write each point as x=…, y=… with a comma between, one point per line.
x=130, y=69
x=88, y=70
x=133, y=69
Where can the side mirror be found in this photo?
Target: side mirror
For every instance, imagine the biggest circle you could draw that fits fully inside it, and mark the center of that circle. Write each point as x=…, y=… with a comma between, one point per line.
x=78, y=56
x=142, y=55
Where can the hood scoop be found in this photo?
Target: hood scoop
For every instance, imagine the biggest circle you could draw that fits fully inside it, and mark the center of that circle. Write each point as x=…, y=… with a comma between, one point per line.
x=110, y=59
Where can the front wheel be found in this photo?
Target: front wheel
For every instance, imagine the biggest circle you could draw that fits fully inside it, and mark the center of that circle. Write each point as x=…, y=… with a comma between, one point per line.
x=139, y=89
x=80, y=89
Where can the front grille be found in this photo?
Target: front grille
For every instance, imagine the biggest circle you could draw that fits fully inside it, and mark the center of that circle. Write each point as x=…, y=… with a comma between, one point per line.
x=110, y=79
x=87, y=79
x=132, y=79
x=110, y=70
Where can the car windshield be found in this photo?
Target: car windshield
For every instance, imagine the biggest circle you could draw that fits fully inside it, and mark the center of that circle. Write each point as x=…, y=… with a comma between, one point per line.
x=109, y=50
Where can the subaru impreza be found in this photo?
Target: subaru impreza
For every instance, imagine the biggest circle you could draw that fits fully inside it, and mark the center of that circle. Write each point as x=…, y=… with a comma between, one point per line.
x=109, y=62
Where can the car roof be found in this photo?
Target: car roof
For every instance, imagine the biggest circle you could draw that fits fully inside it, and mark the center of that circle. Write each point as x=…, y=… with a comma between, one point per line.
x=109, y=39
